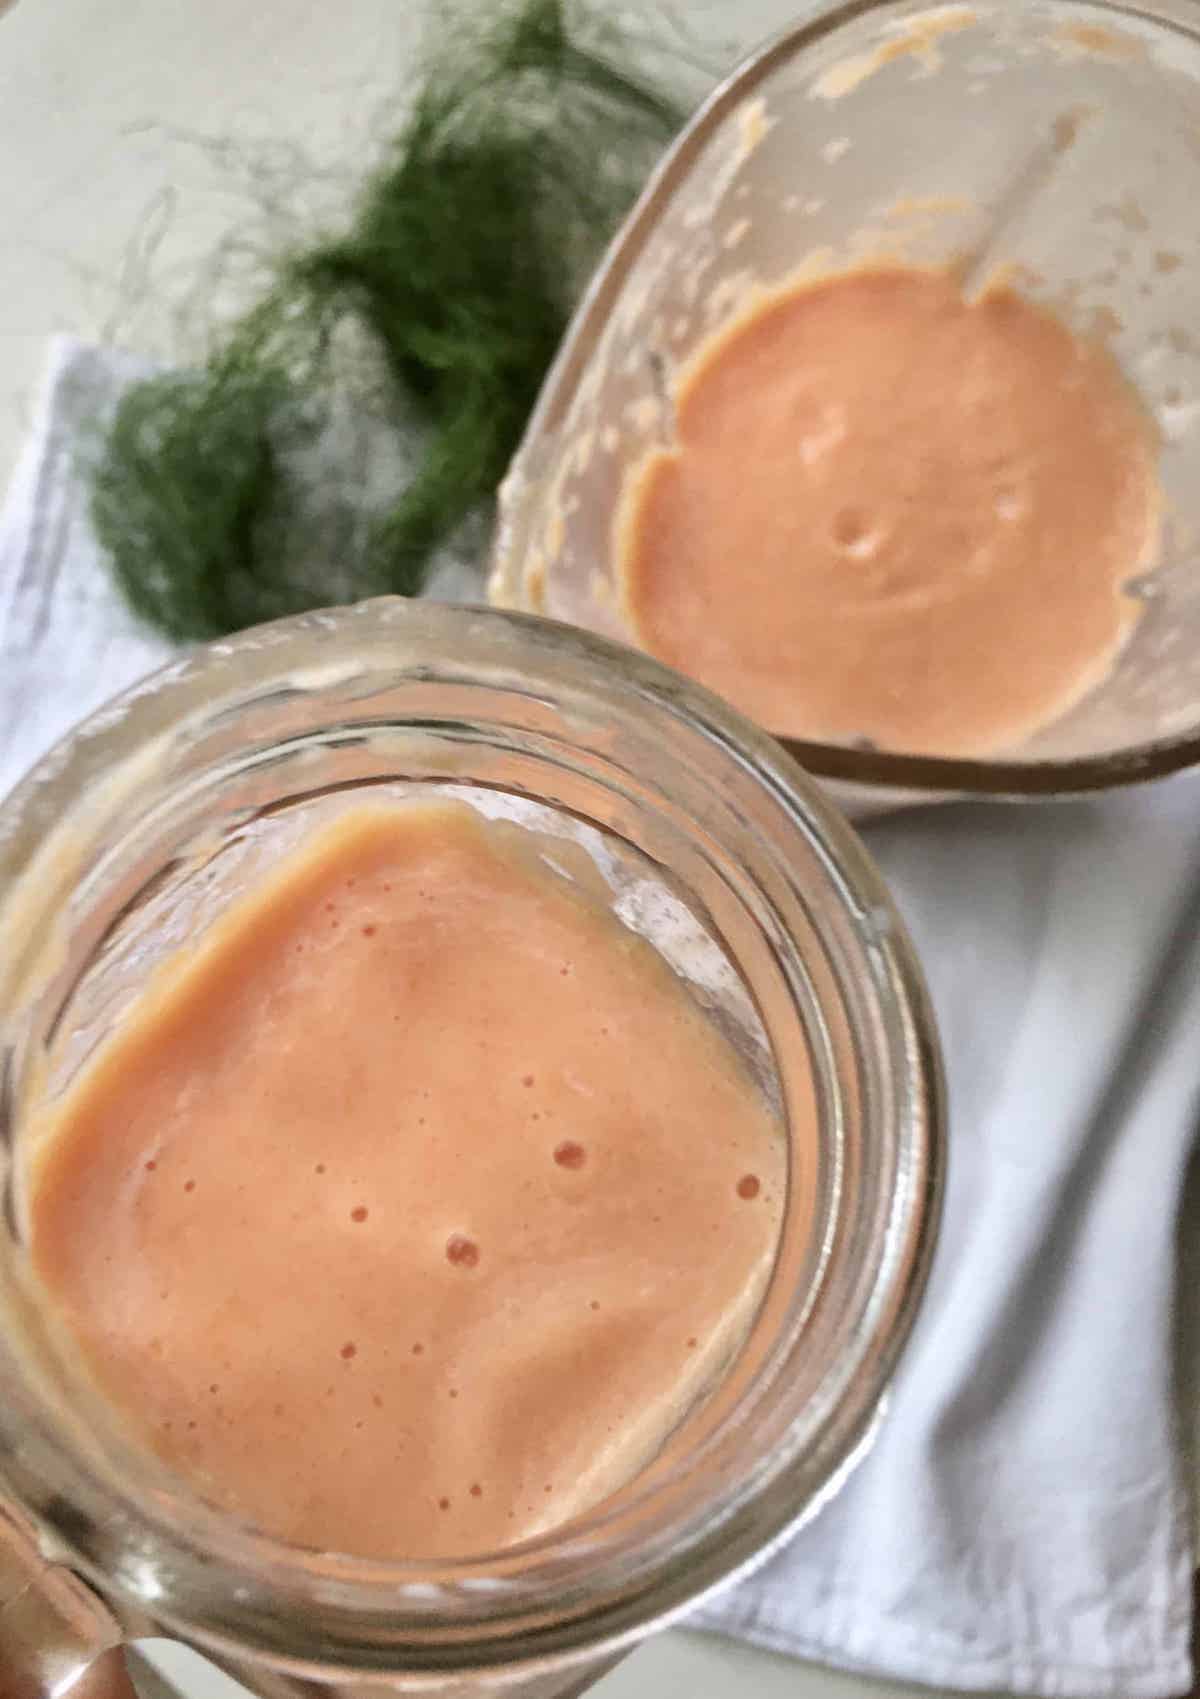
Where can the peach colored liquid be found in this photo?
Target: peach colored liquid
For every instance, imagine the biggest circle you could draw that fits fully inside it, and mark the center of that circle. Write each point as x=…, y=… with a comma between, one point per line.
x=410, y=1214
x=895, y=513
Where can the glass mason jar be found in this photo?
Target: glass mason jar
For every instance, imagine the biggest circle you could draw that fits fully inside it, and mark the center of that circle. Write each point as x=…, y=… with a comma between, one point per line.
x=133, y=833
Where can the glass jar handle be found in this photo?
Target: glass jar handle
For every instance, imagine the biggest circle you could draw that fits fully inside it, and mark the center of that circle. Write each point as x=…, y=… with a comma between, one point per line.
x=57, y=1637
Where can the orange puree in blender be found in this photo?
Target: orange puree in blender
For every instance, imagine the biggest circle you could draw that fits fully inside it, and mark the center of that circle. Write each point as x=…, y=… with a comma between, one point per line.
x=894, y=513
x=409, y=1213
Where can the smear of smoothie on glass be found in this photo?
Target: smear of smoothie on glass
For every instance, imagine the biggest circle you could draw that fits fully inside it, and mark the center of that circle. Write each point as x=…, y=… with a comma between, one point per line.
x=409, y=1214
x=894, y=512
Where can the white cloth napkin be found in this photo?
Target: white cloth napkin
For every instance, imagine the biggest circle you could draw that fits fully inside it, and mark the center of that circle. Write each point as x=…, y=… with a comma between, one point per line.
x=1021, y=1523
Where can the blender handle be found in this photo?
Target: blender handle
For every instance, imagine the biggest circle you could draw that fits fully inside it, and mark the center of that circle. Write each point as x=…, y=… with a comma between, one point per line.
x=57, y=1637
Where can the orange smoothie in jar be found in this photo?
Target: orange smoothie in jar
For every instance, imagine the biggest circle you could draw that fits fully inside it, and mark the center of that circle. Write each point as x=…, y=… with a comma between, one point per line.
x=894, y=513
x=409, y=1213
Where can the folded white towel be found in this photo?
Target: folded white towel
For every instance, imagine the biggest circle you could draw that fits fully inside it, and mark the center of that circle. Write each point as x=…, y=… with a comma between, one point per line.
x=1021, y=1523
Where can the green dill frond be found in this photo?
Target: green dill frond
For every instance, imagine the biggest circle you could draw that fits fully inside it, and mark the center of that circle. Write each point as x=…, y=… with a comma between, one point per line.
x=273, y=478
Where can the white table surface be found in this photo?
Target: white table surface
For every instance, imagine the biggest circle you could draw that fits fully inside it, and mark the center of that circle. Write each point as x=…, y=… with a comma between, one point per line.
x=115, y=185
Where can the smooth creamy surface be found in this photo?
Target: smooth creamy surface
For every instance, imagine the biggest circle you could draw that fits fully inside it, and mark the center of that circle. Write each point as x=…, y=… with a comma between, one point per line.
x=896, y=514
x=407, y=1217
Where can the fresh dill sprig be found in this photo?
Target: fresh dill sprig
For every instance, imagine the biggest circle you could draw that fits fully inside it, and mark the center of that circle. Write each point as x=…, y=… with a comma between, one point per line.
x=254, y=486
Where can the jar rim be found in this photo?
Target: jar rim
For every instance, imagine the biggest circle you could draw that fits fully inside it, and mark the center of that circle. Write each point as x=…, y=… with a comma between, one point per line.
x=221, y=1605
